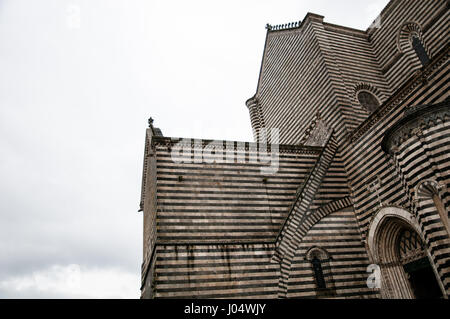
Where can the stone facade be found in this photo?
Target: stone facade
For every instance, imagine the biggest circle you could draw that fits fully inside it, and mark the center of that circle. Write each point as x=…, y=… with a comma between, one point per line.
x=362, y=172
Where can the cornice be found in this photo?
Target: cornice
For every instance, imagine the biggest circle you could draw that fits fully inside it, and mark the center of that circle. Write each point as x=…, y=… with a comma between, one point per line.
x=169, y=142
x=415, y=120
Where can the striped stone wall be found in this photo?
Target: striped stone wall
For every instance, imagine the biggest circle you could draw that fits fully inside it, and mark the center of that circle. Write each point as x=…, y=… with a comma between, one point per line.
x=216, y=271
x=148, y=206
x=423, y=161
x=296, y=224
x=224, y=229
x=356, y=67
x=365, y=160
x=432, y=18
x=216, y=222
x=334, y=185
x=296, y=81
x=338, y=234
x=226, y=202
x=319, y=66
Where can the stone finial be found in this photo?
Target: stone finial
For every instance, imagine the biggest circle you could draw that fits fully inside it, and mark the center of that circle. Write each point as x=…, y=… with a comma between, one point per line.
x=285, y=26
x=150, y=122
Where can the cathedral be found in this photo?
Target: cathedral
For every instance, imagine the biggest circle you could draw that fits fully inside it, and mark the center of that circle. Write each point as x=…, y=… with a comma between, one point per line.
x=344, y=192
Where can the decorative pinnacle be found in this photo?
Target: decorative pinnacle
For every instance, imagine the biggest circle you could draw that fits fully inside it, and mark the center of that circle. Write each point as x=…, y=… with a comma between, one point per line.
x=285, y=26
x=150, y=122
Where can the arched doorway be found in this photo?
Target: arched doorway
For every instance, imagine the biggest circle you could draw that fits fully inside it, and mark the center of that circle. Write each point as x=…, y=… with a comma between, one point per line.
x=398, y=249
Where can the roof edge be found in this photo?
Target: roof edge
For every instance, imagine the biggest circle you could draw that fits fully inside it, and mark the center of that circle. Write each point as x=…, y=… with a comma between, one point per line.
x=290, y=26
x=170, y=141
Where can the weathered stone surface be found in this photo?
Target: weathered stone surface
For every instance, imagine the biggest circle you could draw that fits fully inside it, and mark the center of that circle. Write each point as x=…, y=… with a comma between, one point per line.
x=216, y=229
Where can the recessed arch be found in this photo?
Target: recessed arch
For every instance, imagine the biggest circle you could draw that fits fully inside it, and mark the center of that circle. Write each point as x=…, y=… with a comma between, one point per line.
x=383, y=214
x=317, y=252
x=427, y=188
x=367, y=96
x=368, y=101
x=405, y=33
x=410, y=39
x=397, y=247
x=319, y=260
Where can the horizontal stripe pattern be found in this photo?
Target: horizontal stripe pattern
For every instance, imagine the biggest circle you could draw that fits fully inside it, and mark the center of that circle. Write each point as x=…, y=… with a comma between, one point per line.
x=334, y=185
x=338, y=234
x=428, y=158
x=216, y=271
x=226, y=202
x=211, y=229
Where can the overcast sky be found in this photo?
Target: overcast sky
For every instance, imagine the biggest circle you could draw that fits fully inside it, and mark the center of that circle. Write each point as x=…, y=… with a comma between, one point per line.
x=78, y=81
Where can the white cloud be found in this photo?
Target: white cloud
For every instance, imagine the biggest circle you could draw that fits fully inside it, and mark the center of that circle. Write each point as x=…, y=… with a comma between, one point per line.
x=72, y=281
x=78, y=81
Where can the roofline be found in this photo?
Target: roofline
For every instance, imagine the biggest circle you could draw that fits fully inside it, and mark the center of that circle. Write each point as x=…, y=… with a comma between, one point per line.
x=168, y=141
x=298, y=25
x=280, y=28
x=261, y=66
x=343, y=29
x=384, y=11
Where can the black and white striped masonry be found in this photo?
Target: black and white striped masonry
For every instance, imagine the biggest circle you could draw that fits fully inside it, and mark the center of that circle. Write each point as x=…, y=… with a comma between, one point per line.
x=338, y=202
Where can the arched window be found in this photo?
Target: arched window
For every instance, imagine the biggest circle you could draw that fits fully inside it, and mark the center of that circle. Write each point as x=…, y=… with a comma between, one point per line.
x=318, y=273
x=321, y=271
x=420, y=50
x=368, y=101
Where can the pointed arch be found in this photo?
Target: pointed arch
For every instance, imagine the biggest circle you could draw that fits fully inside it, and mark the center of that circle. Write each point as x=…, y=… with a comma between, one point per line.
x=397, y=246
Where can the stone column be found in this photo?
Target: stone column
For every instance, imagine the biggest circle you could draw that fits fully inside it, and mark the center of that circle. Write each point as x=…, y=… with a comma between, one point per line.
x=256, y=117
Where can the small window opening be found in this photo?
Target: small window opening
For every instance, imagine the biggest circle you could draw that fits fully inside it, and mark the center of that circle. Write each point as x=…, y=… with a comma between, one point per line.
x=420, y=50
x=318, y=273
x=368, y=100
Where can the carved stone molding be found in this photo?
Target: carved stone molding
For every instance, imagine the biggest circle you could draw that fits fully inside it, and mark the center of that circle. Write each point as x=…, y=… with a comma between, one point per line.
x=169, y=142
x=415, y=120
x=398, y=97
